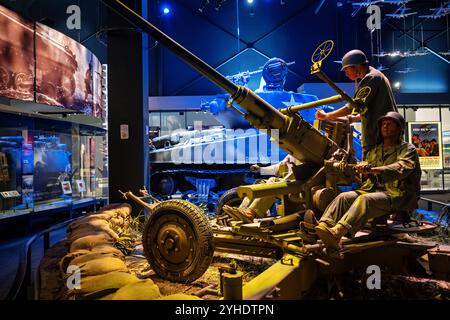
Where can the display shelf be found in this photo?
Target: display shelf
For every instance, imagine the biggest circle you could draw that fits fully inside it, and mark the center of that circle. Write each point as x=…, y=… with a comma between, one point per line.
x=14, y=214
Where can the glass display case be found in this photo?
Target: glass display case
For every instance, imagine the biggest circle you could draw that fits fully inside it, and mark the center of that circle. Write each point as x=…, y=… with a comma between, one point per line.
x=42, y=168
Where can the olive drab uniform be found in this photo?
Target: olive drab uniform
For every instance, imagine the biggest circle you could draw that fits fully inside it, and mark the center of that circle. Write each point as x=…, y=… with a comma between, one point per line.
x=397, y=188
x=378, y=102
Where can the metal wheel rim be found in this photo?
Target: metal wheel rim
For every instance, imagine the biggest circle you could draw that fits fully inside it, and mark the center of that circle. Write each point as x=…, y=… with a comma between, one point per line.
x=174, y=242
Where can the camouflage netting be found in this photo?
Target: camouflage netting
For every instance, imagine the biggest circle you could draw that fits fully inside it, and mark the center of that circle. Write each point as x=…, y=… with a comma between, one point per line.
x=96, y=245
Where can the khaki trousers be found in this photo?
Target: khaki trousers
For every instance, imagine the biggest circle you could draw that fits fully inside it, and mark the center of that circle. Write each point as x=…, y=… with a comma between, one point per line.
x=353, y=209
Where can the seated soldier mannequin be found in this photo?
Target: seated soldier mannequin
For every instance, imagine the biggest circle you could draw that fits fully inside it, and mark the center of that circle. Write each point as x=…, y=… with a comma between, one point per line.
x=393, y=183
x=248, y=210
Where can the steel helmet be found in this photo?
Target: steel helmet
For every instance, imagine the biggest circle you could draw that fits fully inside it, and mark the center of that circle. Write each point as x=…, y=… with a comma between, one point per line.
x=397, y=117
x=353, y=58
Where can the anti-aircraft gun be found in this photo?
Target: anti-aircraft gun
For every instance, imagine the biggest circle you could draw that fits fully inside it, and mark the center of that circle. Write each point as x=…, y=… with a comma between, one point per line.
x=179, y=241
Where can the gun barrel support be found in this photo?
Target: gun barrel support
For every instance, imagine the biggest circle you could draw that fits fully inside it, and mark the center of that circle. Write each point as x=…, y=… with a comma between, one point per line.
x=138, y=200
x=269, y=189
x=293, y=109
x=322, y=76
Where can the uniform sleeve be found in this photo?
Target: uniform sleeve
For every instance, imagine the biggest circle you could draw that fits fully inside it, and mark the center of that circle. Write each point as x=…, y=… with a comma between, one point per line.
x=406, y=162
x=373, y=82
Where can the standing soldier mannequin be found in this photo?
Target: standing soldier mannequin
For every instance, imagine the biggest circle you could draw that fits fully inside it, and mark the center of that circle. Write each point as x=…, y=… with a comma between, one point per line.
x=378, y=102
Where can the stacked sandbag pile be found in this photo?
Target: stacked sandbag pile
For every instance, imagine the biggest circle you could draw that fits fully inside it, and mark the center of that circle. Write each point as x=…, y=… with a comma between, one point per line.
x=104, y=274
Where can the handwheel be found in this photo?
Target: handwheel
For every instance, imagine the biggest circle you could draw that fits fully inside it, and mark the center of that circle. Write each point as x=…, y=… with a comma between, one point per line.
x=178, y=241
x=322, y=51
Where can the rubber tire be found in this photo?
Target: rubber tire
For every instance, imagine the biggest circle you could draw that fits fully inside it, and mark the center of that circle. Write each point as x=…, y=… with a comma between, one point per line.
x=203, y=234
x=156, y=181
x=229, y=198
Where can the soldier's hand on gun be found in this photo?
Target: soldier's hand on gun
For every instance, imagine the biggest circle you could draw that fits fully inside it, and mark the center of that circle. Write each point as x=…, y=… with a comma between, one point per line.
x=255, y=168
x=363, y=168
x=321, y=115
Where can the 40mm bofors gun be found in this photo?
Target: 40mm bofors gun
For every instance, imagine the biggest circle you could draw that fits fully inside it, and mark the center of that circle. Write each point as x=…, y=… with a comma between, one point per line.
x=179, y=241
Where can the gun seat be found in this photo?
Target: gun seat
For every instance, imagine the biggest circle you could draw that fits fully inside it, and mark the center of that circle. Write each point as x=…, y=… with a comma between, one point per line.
x=399, y=222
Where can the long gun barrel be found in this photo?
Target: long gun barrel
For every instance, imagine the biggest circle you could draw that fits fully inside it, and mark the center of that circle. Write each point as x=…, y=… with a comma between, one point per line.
x=293, y=109
x=296, y=136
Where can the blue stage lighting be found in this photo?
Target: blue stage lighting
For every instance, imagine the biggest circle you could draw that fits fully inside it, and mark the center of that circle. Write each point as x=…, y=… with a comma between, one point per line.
x=250, y=1
x=166, y=10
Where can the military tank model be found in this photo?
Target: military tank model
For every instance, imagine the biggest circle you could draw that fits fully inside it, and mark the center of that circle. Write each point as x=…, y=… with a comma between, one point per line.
x=204, y=180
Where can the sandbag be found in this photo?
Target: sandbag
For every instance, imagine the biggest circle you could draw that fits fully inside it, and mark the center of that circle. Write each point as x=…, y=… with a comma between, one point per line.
x=87, y=230
x=87, y=222
x=70, y=259
x=65, y=261
x=111, y=280
x=100, y=215
x=100, y=266
x=107, y=248
x=124, y=210
x=180, y=296
x=96, y=255
x=91, y=241
x=118, y=221
x=143, y=290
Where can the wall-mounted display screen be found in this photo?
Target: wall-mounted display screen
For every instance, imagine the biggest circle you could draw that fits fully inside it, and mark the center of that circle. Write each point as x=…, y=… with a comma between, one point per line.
x=16, y=56
x=40, y=64
x=64, y=71
x=98, y=109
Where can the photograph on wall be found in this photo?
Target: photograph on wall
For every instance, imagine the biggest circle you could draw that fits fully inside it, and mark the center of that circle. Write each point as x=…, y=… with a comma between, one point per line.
x=81, y=186
x=64, y=71
x=98, y=110
x=66, y=187
x=427, y=138
x=16, y=56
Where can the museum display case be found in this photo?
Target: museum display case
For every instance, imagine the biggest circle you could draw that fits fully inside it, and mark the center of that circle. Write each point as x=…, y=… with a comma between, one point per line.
x=57, y=165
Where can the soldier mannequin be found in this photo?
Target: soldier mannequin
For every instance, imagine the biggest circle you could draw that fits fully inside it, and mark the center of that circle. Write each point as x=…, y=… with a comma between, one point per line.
x=393, y=184
x=250, y=209
x=379, y=102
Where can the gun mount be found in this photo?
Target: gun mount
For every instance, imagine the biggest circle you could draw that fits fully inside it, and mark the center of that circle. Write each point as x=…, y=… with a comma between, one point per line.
x=178, y=239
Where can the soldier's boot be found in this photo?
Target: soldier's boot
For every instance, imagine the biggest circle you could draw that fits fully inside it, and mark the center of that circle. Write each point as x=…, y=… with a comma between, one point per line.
x=331, y=236
x=307, y=231
x=246, y=215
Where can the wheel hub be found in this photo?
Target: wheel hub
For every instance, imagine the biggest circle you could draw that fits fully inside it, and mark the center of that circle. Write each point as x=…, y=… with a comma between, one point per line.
x=174, y=242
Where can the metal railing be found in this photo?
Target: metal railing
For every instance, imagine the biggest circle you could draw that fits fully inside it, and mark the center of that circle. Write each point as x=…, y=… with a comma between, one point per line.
x=22, y=279
x=444, y=211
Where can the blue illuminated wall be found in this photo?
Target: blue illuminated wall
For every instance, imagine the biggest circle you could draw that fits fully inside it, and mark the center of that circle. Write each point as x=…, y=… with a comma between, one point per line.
x=291, y=32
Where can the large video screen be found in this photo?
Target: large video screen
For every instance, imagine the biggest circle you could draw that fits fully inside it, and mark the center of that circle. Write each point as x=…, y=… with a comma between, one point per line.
x=16, y=56
x=64, y=71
